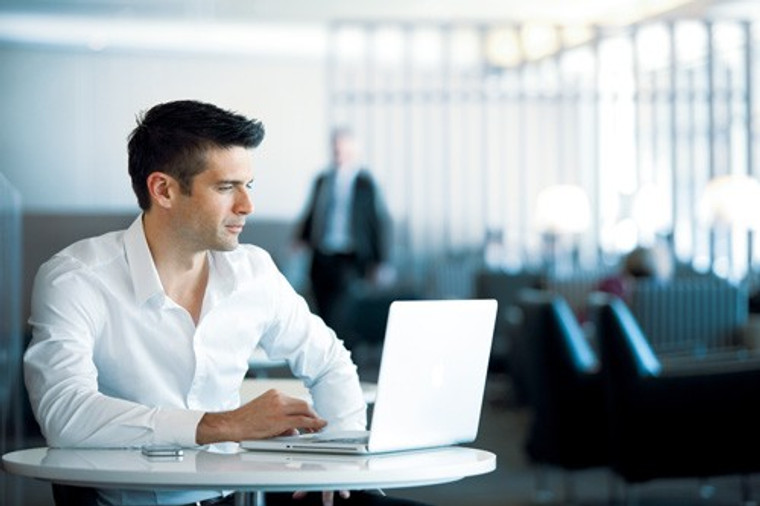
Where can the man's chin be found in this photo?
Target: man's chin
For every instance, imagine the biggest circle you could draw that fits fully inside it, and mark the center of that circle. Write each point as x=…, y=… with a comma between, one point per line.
x=226, y=246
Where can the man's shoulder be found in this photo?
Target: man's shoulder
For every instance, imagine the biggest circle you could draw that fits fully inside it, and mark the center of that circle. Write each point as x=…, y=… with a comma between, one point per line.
x=323, y=176
x=89, y=253
x=365, y=179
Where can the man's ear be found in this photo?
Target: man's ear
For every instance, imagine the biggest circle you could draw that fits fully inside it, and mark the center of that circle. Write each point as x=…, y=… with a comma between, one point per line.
x=162, y=188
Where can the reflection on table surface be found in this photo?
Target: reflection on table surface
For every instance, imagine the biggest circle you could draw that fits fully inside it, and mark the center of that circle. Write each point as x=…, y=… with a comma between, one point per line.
x=249, y=470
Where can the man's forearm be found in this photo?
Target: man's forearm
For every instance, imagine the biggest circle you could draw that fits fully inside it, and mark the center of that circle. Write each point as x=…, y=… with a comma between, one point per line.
x=214, y=428
x=271, y=414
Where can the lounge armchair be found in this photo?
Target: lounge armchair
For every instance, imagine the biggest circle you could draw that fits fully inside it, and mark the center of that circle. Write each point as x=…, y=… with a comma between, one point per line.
x=564, y=388
x=688, y=423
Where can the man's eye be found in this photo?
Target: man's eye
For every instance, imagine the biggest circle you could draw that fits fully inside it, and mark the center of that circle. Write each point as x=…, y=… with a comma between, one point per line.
x=226, y=188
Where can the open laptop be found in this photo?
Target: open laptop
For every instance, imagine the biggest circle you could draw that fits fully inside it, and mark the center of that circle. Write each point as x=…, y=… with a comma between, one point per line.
x=431, y=382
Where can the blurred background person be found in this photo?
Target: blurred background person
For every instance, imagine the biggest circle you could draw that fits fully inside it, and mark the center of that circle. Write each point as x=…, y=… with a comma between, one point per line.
x=346, y=227
x=643, y=262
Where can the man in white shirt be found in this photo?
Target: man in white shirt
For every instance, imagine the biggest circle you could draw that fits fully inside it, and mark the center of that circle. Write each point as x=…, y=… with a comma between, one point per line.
x=142, y=336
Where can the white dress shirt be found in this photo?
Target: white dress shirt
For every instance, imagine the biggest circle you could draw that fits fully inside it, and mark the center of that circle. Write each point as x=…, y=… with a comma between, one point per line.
x=114, y=362
x=338, y=236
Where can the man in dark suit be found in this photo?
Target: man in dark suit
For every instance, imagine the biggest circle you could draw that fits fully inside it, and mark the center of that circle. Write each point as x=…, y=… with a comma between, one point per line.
x=345, y=226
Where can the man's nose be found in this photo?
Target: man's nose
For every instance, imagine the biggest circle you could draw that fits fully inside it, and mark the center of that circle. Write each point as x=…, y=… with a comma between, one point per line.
x=244, y=203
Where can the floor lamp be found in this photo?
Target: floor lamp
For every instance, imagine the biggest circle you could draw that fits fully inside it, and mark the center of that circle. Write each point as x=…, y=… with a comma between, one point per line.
x=562, y=213
x=731, y=202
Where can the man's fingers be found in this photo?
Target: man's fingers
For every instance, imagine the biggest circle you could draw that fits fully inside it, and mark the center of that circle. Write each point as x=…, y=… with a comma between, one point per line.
x=308, y=423
x=293, y=406
x=270, y=414
x=276, y=413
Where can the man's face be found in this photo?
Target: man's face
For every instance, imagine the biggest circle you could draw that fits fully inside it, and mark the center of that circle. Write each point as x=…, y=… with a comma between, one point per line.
x=344, y=150
x=212, y=216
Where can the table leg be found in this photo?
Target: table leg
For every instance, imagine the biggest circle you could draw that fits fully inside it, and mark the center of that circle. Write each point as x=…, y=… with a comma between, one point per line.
x=257, y=498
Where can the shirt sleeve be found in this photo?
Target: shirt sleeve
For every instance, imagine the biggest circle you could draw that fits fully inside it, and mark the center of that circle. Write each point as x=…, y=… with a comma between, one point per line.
x=317, y=357
x=62, y=379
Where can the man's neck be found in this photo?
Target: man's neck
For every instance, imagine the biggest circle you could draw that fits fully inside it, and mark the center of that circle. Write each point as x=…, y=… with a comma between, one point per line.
x=347, y=167
x=183, y=273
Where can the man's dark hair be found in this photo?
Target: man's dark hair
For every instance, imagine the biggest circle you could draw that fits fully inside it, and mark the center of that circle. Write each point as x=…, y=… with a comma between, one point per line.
x=174, y=137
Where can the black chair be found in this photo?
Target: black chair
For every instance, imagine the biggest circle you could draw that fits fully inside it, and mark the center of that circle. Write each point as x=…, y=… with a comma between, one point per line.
x=505, y=287
x=564, y=388
x=362, y=317
x=695, y=422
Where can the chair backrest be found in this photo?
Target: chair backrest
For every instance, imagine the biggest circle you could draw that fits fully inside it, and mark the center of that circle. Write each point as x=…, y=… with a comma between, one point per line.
x=697, y=314
x=505, y=287
x=556, y=351
x=576, y=288
x=625, y=351
x=564, y=386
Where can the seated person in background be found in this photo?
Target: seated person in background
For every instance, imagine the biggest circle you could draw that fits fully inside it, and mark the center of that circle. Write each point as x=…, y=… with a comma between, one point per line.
x=142, y=336
x=651, y=262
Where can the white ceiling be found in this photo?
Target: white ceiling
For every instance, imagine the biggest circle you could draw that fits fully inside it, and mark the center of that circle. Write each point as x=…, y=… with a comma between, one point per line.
x=571, y=11
x=603, y=12
x=227, y=25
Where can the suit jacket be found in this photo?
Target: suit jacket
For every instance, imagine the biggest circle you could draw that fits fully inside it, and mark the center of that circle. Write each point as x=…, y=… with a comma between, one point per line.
x=369, y=221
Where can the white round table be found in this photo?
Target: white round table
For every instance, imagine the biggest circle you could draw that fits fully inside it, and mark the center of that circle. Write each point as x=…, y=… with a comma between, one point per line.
x=248, y=471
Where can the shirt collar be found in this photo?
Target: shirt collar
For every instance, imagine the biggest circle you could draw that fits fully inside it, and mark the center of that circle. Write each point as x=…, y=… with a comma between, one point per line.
x=141, y=267
x=221, y=275
x=146, y=280
x=347, y=171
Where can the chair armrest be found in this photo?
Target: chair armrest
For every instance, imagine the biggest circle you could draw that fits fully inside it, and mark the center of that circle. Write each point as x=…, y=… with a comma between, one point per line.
x=712, y=364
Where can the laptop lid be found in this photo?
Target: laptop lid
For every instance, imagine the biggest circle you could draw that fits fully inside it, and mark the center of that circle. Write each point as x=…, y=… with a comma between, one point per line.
x=431, y=381
x=432, y=373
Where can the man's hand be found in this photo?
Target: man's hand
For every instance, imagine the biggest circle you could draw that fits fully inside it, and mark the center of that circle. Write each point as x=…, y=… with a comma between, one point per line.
x=327, y=496
x=271, y=414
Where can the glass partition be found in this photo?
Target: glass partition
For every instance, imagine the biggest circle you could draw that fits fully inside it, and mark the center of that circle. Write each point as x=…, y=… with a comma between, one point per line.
x=465, y=124
x=10, y=329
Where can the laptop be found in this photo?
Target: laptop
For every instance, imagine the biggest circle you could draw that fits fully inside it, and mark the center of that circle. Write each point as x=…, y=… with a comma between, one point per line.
x=430, y=386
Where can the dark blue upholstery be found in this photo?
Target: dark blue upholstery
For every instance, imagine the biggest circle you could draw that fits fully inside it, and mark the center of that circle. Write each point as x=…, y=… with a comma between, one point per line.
x=695, y=315
x=697, y=422
x=506, y=287
x=564, y=388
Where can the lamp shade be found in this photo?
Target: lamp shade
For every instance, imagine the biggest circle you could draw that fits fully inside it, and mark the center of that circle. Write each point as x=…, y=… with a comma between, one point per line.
x=731, y=200
x=563, y=209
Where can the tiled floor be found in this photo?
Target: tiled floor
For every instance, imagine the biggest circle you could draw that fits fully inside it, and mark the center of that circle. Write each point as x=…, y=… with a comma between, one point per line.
x=514, y=481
